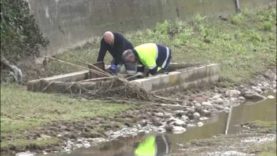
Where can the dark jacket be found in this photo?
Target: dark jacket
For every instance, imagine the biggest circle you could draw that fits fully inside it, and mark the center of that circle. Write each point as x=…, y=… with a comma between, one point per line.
x=120, y=45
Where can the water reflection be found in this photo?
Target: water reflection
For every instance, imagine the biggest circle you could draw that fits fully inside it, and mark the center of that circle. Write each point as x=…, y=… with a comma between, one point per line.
x=153, y=146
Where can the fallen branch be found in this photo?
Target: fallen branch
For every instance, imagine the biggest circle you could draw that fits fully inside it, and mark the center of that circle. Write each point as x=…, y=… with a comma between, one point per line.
x=15, y=71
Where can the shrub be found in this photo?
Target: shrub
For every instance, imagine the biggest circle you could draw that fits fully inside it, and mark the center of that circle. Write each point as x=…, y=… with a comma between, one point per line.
x=20, y=35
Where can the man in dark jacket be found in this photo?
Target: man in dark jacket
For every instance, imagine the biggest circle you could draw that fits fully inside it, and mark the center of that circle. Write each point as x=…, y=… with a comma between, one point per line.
x=116, y=44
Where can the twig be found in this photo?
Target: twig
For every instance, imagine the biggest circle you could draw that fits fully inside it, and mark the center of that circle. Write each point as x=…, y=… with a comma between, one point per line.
x=97, y=70
x=97, y=79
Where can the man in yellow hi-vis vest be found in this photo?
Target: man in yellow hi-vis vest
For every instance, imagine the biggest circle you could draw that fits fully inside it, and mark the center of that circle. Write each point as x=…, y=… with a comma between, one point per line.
x=153, y=56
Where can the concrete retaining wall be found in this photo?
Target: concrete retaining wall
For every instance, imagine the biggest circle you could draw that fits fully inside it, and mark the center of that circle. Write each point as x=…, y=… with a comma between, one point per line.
x=68, y=23
x=190, y=77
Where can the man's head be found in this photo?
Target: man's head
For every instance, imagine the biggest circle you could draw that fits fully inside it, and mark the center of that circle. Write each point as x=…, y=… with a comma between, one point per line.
x=108, y=37
x=129, y=56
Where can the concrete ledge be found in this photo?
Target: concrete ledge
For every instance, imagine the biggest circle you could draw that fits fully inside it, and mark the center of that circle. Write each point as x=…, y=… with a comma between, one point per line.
x=193, y=76
x=35, y=85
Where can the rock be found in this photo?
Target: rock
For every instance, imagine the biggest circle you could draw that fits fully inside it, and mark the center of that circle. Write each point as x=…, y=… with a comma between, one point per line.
x=156, y=122
x=178, y=129
x=79, y=145
x=179, y=122
x=196, y=115
x=167, y=115
x=179, y=113
x=219, y=107
x=257, y=89
x=203, y=118
x=185, y=118
x=200, y=124
x=216, y=96
x=143, y=123
x=270, y=75
x=87, y=145
x=169, y=128
x=250, y=95
x=191, y=110
x=218, y=101
x=207, y=103
x=232, y=93
x=191, y=125
x=270, y=97
x=241, y=98
x=161, y=130
x=198, y=105
x=206, y=112
x=159, y=114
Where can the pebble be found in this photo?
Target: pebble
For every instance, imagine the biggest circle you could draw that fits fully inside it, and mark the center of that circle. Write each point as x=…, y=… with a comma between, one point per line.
x=198, y=105
x=196, y=115
x=216, y=96
x=179, y=122
x=87, y=145
x=159, y=114
x=218, y=101
x=257, y=89
x=178, y=129
x=232, y=93
x=270, y=97
x=206, y=112
x=179, y=113
x=203, y=118
x=253, y=95
x=241, y=98
x=200, y=124
x=191, y=125
x=207, y=103
x=185, y=118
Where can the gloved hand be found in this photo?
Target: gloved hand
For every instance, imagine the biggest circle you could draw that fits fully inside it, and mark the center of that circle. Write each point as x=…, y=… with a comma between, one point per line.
x=113, y=69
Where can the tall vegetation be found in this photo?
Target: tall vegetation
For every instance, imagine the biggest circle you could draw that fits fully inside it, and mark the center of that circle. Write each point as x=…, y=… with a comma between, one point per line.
x=20, y=35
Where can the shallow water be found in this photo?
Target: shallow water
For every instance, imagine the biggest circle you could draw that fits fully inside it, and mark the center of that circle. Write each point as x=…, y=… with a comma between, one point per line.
x=171, y=143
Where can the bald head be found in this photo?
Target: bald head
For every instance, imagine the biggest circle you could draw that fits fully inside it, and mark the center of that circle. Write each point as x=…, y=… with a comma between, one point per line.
x=108, y=37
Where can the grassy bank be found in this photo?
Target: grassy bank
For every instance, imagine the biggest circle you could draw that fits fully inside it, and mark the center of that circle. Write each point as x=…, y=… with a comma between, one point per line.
x=243, y=44
x=23, y=111
x=267, y=148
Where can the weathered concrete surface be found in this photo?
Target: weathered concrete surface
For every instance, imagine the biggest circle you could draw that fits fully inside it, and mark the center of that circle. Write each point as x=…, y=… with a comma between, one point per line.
x=39, y=84
x=68, y=23
x=190, y=77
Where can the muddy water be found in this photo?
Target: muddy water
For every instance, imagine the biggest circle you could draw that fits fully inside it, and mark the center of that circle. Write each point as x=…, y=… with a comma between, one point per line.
x=172, y=143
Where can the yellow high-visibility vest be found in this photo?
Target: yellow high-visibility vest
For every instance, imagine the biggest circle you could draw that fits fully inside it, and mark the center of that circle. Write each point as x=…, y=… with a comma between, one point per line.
x=147, y=54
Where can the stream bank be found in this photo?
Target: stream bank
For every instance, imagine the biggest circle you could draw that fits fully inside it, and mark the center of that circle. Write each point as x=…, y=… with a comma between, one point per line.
x=197, y=108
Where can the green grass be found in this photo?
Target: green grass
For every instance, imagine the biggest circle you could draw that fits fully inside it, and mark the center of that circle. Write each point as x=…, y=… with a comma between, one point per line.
x=23, y=144
x=22, y=110
x=267, y=149
x=243, y=45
